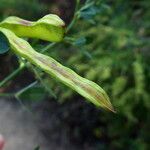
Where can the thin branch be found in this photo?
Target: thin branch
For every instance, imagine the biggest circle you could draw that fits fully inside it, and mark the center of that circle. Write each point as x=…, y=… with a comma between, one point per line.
x=75, y=17
x=12, y=75
x=7, y=95
x=25, y=88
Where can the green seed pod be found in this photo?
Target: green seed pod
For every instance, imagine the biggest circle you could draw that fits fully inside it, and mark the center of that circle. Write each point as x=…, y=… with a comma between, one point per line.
x=49, y=28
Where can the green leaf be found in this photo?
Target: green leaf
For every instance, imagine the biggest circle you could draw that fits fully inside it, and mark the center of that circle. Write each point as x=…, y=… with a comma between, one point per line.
x=80, y=41
x=89, y=13
x=49, y=28
x=139, y=75
x=4, y=44
x=88, y=89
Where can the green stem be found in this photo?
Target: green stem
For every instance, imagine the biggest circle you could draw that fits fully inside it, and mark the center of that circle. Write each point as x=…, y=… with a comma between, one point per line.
x=12, y=75
x=6, y=95
x=48, y=47
x=75, y=17
x=25, y=88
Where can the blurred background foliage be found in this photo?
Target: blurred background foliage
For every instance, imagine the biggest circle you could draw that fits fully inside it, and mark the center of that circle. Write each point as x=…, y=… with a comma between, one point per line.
x=109, y=44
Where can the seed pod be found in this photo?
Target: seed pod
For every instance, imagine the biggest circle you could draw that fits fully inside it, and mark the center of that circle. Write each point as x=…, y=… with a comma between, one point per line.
x=88, y=89
x=49, y=28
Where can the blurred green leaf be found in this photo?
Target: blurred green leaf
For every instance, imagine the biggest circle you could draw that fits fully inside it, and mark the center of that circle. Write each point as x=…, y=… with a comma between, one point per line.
x=139, y=75
x=88, y=13
x=80, y=41
x=118, y=85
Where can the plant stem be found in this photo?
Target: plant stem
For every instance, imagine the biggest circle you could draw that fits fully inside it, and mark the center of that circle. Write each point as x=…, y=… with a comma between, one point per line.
x=12, y=75
x=6, y=95
x=74, y=17
x=48, y=47
x=25, y=88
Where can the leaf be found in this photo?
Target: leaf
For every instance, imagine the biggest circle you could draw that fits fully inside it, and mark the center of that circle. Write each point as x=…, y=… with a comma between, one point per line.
x=89, y=13
x=80, y=41
x=139, y=75
x=4, y=44
x=49, y=28
x=88, y=89
x=118, y=85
